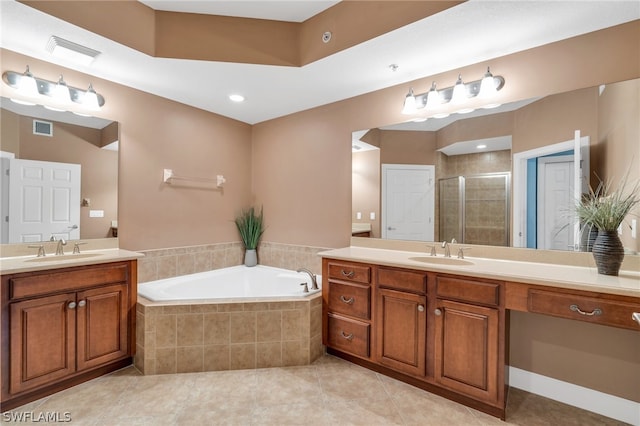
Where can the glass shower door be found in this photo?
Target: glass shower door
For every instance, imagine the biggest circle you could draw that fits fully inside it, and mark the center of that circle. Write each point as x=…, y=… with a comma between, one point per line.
x=451, y=208
x=486, y=209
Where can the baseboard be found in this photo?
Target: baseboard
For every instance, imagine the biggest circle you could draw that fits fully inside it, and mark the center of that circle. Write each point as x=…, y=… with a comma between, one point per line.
x=607, y=405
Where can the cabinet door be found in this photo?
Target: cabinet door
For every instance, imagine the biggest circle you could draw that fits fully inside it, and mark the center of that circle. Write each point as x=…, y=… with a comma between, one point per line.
x=42, y=341
x=401, y=322
x=466, y=349
x=102, y=325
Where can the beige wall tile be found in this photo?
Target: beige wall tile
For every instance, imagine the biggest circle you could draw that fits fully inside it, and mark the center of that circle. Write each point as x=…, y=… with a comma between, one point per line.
x=166, y=331
x=216, y=328
x=167, y=267
x=242, y=356
x=295, y=353
x=216, y=357
x=291, y=325
x=185, y=264
x=242, y=327
x=189, y=359
x=269, y=326
x=190, y=329
x=268, y=355
x=166, y=361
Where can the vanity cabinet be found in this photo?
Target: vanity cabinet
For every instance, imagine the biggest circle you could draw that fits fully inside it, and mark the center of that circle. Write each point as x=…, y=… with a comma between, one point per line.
x=467, y=344
x=440, y=332
x=347, y=307
x=401, y=320
x=64, y=326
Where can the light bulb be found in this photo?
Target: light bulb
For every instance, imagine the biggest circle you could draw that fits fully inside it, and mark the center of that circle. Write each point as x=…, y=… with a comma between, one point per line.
x=487, y=85
x=433, y=97
x=90, y=99
x=409, y=103
x=459, y=94
x=28, y=85
x=61, y=92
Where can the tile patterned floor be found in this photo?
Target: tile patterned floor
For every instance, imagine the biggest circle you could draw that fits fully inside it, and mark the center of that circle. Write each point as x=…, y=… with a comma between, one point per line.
x=329, y=392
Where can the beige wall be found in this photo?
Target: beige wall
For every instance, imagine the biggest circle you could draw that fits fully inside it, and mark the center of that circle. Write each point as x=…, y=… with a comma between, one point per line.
x=366, y=188
x=618, y=143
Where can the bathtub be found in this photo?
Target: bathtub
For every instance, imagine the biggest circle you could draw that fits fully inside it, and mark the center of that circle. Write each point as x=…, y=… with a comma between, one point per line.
x=237, y=282
x=228, y=319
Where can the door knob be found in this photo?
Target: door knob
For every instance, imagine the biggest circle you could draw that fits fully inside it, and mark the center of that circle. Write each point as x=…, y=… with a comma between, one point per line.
x=390, y=228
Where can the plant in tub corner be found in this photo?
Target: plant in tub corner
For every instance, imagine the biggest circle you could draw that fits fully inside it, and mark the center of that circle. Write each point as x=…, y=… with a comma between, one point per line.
x=605, y=209
x=251, y=226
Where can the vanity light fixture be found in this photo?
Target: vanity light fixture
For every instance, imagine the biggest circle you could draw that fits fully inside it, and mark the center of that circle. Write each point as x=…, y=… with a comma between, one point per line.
x=52, y=94
x=459, y=93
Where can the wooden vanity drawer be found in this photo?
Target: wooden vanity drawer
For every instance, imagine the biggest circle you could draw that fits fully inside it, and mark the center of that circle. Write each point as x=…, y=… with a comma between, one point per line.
x=348, y=335
x=398, y=279
x=350, y=299
x=350, y=272
x=36, y=284
x=481, y=292
x=584, y=308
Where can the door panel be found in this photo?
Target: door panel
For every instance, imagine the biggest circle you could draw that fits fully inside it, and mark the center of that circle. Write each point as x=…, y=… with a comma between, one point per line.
x=42, y=341
x=400, y=330
x=555, y=203
x=408, y=197
x=44, y=201
x=102, y=325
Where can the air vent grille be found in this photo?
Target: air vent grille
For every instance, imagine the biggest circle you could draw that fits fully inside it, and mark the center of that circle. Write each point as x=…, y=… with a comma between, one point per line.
x=42, y=128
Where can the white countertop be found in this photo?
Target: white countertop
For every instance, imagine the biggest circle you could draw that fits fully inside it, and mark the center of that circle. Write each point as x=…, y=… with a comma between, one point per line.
x=570, y=277
x=15, y=264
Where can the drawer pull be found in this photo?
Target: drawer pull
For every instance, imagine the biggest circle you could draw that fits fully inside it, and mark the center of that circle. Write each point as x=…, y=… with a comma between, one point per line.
x=596, y=311
x=347, y=336
x=346, y=274
x=636, y=317
x=348, y=301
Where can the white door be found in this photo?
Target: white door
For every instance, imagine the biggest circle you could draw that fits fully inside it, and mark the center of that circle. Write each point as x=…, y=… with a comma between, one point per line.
x=408, y=202
x=44, y=201
x=556, y=203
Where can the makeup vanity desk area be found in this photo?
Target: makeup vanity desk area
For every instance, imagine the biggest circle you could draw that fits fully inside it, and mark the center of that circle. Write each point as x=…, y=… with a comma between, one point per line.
x=442, y=325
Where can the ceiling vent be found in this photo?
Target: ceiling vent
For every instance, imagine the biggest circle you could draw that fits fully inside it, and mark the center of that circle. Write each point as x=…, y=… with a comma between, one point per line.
x=42, y=128
x=75, y=52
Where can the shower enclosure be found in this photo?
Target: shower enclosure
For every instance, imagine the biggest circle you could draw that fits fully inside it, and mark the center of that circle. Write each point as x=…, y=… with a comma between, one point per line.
x=474, y=209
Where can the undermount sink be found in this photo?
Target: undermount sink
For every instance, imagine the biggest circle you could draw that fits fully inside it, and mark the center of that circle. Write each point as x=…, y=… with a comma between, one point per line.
x=442, y=260
x=54, y=258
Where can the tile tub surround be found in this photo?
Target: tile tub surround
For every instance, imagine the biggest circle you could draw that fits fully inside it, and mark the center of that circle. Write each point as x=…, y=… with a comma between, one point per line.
x=173, y=262
x=181, y=338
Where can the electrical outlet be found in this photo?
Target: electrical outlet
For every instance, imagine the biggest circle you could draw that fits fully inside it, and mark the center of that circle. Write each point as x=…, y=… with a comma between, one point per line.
x=634, y=228
x=372, y=216
x=359, y=215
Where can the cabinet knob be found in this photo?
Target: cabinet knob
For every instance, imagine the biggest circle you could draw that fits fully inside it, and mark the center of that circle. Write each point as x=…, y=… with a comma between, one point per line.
x=72, y=305
x=420, y=308
x=82, y=303
x=438, y=312
x=636, y=317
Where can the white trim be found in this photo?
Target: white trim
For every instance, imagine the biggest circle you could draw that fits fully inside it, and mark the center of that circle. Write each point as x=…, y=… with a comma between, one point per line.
x=607, y=405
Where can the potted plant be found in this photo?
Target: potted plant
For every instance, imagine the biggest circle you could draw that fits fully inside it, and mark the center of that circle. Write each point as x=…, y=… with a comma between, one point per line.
x=605, y=209
x=251, y=226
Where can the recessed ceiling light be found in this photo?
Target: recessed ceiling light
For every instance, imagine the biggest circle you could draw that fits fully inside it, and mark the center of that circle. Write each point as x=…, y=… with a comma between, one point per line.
x=481, y=146
x=236, y=98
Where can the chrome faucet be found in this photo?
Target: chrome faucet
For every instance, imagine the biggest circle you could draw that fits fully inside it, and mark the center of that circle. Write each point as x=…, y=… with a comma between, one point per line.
x=447, y=251
x=59, y=250
x=314, y=280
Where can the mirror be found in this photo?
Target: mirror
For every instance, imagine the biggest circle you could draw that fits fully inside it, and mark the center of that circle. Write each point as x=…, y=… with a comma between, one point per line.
x=474, y=154
x=79, y=153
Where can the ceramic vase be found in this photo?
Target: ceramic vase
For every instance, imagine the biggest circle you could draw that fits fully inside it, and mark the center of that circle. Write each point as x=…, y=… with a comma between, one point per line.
x=250, y=257
x=608, y=252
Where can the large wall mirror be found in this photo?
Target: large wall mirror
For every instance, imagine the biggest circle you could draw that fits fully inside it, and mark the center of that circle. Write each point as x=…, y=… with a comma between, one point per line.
x=500, y=176
x=59, y=175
